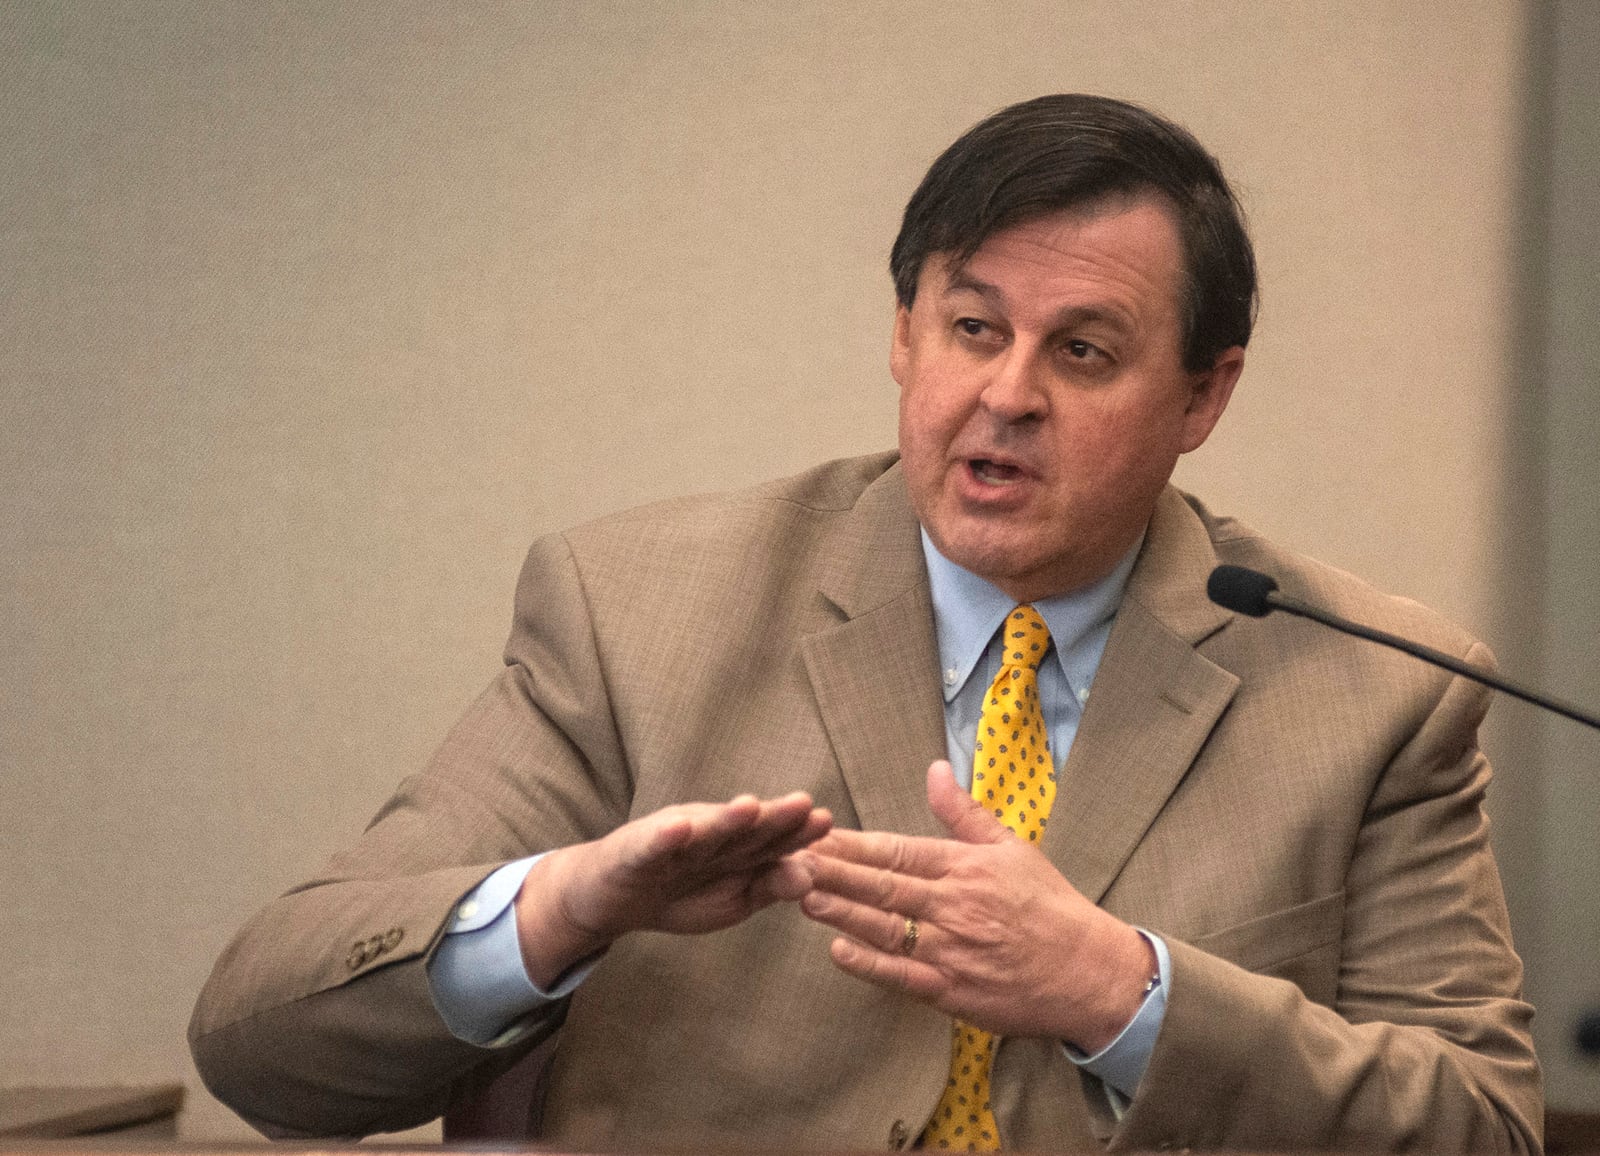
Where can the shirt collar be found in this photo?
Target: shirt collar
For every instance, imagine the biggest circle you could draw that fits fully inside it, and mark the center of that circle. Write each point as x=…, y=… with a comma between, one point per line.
x=967, y=610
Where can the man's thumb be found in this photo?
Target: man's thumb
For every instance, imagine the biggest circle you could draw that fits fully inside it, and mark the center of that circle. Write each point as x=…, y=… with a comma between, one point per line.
x=963, y=816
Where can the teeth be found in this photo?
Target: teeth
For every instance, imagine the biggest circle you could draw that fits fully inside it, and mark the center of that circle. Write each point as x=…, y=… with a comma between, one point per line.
x=995, y=474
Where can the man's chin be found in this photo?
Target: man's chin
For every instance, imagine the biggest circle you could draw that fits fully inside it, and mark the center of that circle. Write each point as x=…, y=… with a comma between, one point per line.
x=999, y=559
x=1014, y=562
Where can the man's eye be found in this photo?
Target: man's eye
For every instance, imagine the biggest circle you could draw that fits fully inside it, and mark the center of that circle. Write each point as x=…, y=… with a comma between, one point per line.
x=971, y=326
x=1082, y=350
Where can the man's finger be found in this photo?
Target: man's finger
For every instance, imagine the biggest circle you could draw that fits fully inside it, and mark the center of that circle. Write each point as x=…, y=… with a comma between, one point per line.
x=877, y=887
x=778, y=831
x=711, y=825
x=816, y=825
x=963, y=816
x=785, y=881
x=744, y=819
x=899, y=972
x=741, y=832
x=789, y=817
x=656, y=838
x=884, y=930
x=902, y=854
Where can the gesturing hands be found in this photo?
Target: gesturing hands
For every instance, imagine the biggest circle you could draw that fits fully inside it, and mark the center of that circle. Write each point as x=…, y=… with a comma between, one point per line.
x=690, y=868
x=1002, y=940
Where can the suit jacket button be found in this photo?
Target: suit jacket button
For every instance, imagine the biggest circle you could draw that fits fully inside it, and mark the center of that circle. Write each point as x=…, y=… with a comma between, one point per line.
x=898, y=1135
x=358, y=956
x=392, y=938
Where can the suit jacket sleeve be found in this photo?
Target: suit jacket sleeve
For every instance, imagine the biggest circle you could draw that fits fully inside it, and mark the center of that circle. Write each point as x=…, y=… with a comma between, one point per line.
x=317, y=1019
x=1413, y=1038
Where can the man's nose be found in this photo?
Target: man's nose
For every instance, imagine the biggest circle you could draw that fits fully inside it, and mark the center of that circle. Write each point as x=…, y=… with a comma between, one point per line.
x=1016, y=389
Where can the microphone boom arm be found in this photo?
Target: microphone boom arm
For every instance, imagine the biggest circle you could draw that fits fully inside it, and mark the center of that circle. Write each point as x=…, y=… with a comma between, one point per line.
x=1294, y=606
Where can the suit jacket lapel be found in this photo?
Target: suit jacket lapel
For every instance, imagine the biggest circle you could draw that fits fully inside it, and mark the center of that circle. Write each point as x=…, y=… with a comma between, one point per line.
x=876, y=673
x=1154, y=701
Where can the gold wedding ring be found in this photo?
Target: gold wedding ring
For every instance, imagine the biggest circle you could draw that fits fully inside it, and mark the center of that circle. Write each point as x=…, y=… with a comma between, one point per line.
x=908, y=942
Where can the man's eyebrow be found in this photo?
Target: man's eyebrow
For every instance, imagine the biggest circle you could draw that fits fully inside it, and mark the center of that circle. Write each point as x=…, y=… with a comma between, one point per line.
x=960, y=281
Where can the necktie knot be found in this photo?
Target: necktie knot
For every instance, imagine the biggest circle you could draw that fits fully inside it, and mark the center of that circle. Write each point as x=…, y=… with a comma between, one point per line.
x=1027, y=639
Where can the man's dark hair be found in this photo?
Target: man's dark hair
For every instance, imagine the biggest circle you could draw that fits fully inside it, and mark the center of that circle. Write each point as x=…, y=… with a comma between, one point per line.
x=1071, y=151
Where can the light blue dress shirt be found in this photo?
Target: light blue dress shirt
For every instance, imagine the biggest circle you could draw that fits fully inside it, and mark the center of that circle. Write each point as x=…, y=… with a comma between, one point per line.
x=477, y=977
x=967, y=613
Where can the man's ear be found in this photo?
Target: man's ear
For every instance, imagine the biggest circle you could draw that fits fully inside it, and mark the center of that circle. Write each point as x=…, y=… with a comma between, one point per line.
x=1211, y=390
x=900, y=344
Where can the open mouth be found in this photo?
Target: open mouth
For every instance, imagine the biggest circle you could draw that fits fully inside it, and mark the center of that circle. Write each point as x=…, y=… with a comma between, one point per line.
x=995, y=473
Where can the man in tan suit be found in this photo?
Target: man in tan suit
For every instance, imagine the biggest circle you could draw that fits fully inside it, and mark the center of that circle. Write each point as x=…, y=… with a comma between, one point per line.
x=1263, y=914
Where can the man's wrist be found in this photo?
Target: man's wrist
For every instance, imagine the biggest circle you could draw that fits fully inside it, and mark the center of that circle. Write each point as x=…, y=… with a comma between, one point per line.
x=1131, y=979
x=1121, y=1064
x=552, y=942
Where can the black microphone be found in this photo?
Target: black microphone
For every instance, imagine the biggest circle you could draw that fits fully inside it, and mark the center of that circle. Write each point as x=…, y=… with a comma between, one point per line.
x=1241, y=590
x=1251, y=592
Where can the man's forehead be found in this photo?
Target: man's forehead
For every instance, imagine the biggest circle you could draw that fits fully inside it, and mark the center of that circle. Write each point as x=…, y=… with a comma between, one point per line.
x=1142, y=252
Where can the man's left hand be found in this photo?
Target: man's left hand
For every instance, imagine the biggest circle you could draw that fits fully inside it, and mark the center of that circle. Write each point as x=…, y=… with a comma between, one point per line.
x=1002, y=940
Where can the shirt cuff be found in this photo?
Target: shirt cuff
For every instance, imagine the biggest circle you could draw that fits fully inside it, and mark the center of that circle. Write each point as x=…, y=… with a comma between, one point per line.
x=478, y=981
x=1120, y=1064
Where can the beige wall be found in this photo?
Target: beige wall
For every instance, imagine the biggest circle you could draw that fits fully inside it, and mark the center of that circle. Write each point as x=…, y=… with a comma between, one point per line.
x=311, y=315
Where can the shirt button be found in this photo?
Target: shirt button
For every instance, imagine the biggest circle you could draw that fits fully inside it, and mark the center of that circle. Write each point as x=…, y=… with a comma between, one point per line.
x=950, y=676
x=1083, y=696
x=467, y=910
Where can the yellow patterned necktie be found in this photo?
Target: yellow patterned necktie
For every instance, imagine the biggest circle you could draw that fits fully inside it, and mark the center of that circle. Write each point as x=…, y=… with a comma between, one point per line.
x=1014, y=777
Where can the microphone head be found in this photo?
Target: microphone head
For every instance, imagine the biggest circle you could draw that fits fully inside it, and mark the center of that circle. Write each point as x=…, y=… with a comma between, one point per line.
x=1241, y=590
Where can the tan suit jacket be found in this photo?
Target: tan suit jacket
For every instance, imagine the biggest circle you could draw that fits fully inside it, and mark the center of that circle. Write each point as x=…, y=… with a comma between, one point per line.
x=1297, y=813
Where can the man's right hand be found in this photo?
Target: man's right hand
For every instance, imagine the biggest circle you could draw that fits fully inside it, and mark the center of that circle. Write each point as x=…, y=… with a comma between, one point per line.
x=691, y=868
